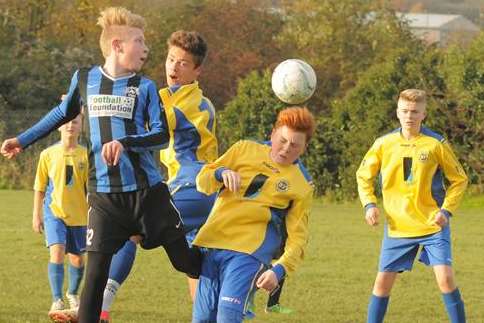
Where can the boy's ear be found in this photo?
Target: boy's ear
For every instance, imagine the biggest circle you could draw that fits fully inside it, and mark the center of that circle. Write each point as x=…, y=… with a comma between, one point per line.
x=273, y=132
x=116, y=46
x=198, y=70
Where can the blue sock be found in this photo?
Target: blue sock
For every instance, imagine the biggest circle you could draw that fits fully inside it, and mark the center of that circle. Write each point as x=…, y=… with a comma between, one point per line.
x=455, y=306
x=122, y=262
x=56, y=279
x=75, y=278
x=377, y=308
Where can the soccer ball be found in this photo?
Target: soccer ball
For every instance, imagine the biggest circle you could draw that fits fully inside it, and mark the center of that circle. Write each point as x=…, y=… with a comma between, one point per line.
x=293, y=81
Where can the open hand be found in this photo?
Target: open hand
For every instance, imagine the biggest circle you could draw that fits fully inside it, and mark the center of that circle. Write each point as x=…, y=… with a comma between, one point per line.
x=10, y=148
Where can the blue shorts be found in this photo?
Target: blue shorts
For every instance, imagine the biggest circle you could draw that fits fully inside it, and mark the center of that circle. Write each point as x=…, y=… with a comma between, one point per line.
x=193, y=205
x=398, y=254
x=57, y=232
x=226, y=283
x=190, y=236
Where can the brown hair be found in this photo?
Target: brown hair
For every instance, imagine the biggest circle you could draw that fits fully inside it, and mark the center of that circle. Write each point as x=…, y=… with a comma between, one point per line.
x=110, y=20
x=190, y=41
x=298, y=119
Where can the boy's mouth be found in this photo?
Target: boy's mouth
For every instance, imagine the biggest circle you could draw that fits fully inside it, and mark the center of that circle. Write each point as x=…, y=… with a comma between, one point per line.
x=174, y=78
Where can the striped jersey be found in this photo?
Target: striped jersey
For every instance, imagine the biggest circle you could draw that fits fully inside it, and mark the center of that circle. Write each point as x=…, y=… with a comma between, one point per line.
x=62, y=175
x=273, y=200
x=191, y=124
x=126, y=109
x=412, y=176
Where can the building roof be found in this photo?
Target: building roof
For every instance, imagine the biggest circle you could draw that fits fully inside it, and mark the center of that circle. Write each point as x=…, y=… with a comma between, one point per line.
x=434, y=21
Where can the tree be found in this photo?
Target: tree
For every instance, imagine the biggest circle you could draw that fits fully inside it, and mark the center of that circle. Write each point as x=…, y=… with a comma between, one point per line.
x=464, y=109
x=252, y=113
x=240, y=37
x=340, y=39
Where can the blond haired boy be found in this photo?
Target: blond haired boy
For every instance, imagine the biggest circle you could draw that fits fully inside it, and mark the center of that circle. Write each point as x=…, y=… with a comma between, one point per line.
x=60, y=212
x=412, y=162
x=191, y=123
x=125, y=124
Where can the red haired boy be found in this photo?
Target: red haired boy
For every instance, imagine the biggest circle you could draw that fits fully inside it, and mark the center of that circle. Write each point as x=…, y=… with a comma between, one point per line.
x=264, y=193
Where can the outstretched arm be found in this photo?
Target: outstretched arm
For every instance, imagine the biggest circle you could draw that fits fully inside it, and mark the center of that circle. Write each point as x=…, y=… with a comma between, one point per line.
x=10, y=148
x=65, y=112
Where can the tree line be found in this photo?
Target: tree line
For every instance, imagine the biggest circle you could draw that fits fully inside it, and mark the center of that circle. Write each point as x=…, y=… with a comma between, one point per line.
x=362, y=54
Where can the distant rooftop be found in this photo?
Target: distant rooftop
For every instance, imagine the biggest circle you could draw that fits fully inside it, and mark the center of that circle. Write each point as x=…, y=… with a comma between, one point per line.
x=432, y=20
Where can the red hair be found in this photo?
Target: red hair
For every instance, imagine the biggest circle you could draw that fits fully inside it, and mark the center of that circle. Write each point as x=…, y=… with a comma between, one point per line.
x=297, y=118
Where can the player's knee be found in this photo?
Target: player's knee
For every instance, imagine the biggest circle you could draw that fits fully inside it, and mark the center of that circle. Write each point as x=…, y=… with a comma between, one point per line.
x=136, y=239
x=184, y=259
x=182, y=265
x=57, y=253
x=76, y=260
x=229, y=315
x=383, y=285
x=446, y=283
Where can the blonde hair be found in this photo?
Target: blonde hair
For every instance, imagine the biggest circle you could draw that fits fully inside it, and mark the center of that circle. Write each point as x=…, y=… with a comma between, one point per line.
x=413, y=95
x=110, y=20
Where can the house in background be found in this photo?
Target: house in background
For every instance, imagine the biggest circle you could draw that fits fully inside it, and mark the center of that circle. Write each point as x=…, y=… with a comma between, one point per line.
x=439, y=28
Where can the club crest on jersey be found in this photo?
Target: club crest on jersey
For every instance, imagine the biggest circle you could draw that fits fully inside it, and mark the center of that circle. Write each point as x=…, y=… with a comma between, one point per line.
x=282, y=186
x=82, y=165
x=424, y=156
x=132, y=91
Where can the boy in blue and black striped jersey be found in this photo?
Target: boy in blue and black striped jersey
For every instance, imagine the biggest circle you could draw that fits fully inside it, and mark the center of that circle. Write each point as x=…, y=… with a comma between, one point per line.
x=125, y=123
x=191, y=125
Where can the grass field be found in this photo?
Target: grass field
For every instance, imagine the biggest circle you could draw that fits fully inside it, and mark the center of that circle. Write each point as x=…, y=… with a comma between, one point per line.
x=332, y=285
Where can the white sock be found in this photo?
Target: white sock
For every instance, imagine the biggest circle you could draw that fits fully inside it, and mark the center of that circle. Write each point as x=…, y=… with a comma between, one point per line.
x=109, y=294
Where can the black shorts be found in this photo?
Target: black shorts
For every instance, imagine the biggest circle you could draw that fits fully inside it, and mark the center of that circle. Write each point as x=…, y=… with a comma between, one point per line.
x=114, y=217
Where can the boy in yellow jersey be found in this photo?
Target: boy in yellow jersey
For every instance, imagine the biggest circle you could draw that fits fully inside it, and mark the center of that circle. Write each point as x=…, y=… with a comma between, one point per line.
x=191, y=125
x=412, y=162
x=191, y=122
x=261, y=187
x=60, y=208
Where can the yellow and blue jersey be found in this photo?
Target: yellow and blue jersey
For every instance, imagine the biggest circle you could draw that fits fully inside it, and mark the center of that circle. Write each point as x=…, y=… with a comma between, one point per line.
x=191, y=124
x=271, y=197
x=62, y=175
x=126, y=109
x=412, y=176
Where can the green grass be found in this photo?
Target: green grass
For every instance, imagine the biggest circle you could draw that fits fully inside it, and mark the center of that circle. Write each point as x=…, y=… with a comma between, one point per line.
x=332, y=285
